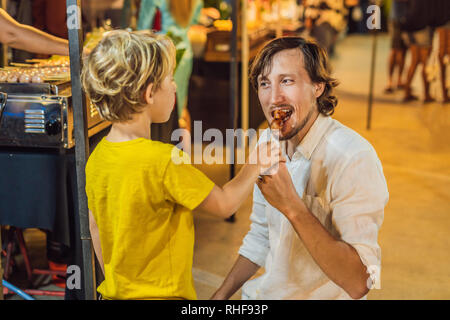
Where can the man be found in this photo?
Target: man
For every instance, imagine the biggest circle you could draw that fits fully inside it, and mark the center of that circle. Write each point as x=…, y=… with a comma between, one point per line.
x=315, y=222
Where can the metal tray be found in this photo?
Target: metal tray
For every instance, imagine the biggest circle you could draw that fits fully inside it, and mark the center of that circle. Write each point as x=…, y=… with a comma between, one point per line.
x=46, y=88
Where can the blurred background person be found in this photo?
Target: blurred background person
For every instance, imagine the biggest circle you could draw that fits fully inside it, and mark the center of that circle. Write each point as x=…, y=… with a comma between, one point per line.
x=419, y=24
x=398, y=47
x=355, y=17
x=444, y=45
x=176, y=18
x=444, y=58
x=325, y=19
x=418, y=35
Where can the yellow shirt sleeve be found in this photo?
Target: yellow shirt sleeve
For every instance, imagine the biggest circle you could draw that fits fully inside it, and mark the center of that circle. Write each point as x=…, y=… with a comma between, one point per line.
x=186, y=185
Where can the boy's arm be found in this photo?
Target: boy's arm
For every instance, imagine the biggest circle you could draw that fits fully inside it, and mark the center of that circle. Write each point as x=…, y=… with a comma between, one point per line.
x=223, y=202
x=96, y=240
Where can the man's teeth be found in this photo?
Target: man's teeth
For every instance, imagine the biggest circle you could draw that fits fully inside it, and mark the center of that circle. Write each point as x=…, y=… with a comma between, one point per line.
x=281, y=115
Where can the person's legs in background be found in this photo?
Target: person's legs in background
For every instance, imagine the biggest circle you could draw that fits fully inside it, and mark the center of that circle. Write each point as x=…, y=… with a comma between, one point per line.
x=424, y=39
x=392, y=61
x=420, y=44
x=400, y=55
x=391, y=66
x=424, y=53
x=414, y=49
x=396, y=59
x=444, y=50
x=399, y=47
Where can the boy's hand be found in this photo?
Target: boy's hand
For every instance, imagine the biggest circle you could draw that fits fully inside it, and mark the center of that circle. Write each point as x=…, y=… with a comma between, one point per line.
x=267, y=157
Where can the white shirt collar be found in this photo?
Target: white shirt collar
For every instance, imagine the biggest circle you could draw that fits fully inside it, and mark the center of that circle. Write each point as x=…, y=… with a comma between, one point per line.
x=315, y=134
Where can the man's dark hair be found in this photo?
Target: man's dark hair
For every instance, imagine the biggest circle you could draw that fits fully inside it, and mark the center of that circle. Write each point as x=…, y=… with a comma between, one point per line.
x=316, y=64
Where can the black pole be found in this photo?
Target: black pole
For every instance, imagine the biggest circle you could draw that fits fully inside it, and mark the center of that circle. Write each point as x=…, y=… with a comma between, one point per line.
x=234, y=83
x=372, y=79
x=372, y=67
x=81, y=142
x=3, y=64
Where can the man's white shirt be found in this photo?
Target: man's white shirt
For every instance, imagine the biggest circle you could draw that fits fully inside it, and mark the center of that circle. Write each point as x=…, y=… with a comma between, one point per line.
x=338, y=175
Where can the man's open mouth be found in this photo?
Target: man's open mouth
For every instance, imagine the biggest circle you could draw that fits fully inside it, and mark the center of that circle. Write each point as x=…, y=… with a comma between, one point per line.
x=280, y=116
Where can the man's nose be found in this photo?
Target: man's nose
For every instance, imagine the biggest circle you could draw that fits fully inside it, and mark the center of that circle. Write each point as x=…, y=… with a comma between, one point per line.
x=277, y=96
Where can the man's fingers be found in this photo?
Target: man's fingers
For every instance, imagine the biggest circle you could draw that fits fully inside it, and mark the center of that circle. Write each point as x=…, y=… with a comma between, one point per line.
x=282, y=157
x=259, y=184
x=263, y=179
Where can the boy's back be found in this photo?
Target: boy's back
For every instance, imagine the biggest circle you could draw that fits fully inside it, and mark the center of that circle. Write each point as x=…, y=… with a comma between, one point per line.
x=142, y=203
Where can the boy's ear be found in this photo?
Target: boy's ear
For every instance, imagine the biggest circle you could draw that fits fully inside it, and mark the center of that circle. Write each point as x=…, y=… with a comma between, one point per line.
x=148, y=94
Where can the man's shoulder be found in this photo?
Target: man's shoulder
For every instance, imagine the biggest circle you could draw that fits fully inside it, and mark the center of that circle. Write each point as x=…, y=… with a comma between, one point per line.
x=345, y=142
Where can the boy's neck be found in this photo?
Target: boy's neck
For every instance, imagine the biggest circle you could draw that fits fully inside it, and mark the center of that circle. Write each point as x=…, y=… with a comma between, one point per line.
x=137, y=127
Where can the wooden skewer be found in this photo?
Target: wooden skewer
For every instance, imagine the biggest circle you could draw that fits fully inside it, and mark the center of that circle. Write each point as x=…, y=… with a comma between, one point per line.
x=23, y=65
x=36, y=60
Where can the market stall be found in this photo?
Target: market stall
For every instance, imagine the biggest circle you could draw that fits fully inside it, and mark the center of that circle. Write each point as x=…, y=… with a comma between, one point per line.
x=41, y=135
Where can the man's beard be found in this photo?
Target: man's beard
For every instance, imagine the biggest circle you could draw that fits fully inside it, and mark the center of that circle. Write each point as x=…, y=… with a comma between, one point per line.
x=298, y=128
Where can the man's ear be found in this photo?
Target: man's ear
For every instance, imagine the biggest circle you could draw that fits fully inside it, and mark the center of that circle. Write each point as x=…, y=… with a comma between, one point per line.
x=319, y=88
x=148, y=94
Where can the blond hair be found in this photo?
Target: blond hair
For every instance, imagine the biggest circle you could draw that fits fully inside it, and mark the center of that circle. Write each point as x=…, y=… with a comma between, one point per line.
x=182, y=11
x=120, y=68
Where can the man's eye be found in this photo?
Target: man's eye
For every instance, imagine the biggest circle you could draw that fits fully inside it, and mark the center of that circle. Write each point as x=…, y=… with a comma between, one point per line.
x=263, y=84
x=287, y=81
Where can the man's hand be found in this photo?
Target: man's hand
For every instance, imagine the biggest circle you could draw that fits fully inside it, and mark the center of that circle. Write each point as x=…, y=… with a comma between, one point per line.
x=337, y=259
x=278, y=188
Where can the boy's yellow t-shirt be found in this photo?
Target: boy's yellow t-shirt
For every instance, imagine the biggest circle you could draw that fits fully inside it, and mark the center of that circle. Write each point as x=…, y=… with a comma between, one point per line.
x=142, y=203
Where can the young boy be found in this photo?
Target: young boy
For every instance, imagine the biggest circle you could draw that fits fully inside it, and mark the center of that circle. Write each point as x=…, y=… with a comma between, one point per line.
x=140, y=200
